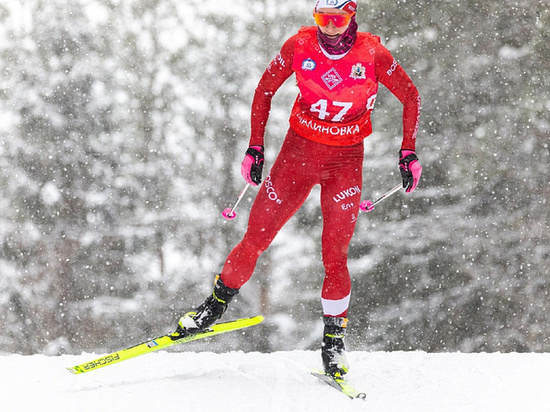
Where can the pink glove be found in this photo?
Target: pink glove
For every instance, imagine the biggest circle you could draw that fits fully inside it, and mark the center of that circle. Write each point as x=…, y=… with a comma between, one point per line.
x=410, y=169
x=253, y=164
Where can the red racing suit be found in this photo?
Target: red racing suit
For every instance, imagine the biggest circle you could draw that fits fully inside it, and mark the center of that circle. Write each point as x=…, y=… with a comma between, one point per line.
x=329, y=121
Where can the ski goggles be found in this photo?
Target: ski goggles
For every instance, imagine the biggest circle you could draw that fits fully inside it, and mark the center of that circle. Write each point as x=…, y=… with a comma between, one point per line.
x=339, y=20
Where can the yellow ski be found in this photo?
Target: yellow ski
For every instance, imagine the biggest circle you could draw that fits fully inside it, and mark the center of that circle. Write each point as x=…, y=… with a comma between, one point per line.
x=338, y=382
x=162, y=342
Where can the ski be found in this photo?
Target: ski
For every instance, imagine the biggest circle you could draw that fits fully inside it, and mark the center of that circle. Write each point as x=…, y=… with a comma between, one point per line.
x=339, y=383
x=162, y=342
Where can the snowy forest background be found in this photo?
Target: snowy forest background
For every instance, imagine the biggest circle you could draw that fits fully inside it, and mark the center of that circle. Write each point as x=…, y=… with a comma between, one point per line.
x=123, y=124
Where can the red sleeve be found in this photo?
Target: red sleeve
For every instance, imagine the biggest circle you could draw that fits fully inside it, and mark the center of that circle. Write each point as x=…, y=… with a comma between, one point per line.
x=392, y=75
x=275, y=75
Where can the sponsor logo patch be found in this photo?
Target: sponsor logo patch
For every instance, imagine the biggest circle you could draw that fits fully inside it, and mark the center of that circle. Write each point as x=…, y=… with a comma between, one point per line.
x=331, y=78
x=352, y=191
x=308, y=64
x=358, y=71
x=271, y=192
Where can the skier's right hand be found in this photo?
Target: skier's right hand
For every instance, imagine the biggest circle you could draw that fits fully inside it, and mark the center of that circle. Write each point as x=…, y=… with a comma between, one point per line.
x=253, y=164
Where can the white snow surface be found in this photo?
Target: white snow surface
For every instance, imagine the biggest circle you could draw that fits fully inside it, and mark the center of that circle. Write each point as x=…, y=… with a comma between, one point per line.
x=280, y=381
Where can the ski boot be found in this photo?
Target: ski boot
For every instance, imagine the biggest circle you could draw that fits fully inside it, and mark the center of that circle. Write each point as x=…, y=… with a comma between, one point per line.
x=333, y=351
x=206, y=314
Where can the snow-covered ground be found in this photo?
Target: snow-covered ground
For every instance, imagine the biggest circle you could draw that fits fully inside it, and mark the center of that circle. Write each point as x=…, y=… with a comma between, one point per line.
x=237, y=381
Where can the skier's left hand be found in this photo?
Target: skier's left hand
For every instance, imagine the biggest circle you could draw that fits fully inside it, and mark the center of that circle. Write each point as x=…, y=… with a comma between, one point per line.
x=410, y=169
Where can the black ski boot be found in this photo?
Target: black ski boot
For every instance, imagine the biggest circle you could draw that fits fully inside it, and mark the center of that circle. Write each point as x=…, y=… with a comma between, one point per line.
x=333, y=351
x=206, y=314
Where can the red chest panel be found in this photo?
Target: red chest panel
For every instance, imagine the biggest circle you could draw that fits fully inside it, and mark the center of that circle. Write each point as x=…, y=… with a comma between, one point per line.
x=336, y=96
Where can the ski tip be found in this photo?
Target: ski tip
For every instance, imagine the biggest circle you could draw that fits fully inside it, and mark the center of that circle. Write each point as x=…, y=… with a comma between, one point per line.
x=258, y=318
x=253, y=320
x=74, y=370
x=339, y=383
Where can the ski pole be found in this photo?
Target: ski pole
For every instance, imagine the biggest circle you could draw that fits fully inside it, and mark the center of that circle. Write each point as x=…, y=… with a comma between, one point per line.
x=368, y=206
x=229, y=213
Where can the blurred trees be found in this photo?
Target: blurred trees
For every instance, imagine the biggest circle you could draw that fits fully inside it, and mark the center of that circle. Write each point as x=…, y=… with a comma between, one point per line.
x=483, y=200
x=123, y=126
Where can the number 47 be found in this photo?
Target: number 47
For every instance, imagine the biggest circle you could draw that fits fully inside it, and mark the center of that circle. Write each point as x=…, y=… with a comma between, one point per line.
x=321, y=108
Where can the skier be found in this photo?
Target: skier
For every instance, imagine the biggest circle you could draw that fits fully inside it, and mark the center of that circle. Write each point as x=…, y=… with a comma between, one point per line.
x=337, y=72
